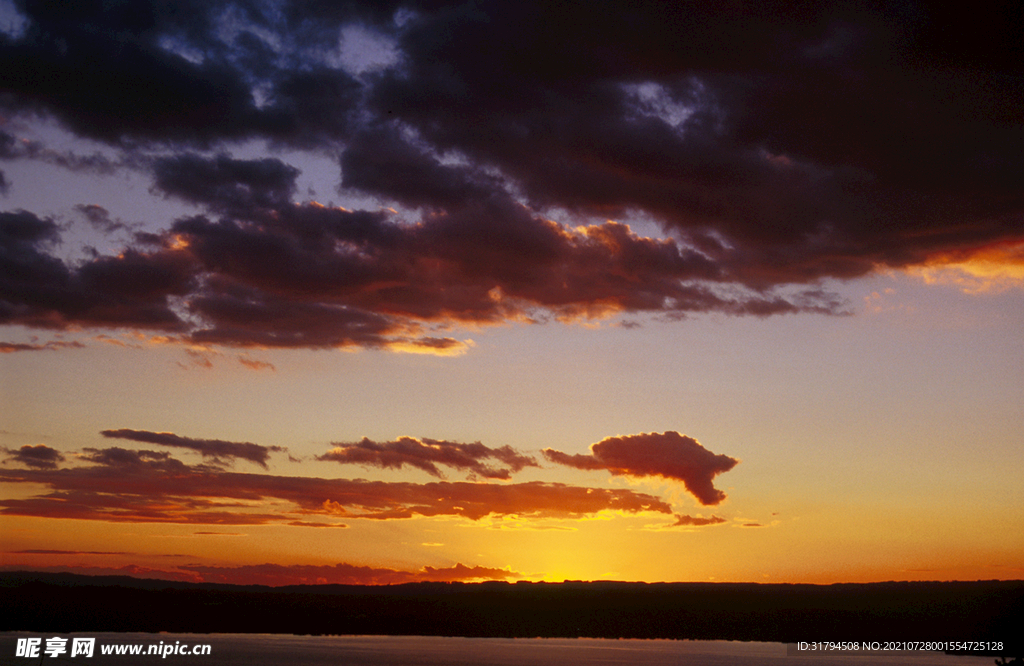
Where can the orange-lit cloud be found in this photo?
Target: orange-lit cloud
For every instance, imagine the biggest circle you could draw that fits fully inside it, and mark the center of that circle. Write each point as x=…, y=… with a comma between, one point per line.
x=427, y=454
x=146, y=486
x=316, y=277
x=667, y=455
x=429, y=345
x=991, y=269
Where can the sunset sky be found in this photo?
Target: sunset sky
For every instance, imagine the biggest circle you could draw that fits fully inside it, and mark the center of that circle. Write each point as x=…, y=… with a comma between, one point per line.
x=378, y=292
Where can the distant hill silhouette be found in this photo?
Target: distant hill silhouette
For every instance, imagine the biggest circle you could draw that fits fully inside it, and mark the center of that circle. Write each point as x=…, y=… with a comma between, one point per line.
x=929, y=611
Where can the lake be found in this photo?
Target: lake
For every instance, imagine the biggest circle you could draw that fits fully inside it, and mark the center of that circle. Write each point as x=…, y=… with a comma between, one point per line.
x=289, y=650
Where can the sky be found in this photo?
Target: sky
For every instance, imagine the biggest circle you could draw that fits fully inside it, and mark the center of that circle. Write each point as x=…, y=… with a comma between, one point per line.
x=384, y=292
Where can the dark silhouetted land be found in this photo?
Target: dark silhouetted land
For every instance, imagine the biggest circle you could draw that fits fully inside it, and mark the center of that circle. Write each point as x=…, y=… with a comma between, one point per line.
x=930, y=611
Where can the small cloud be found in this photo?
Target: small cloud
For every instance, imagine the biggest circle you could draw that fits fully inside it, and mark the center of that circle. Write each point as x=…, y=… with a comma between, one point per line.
x=685, y=522
x=198, y=359
x=253, y=364
x=433, y=346
x=99, y=218
x=12, y=347
x=209, y=448
x=697, y=521
x=39, y=456
x=463, y=573
x=117, y=342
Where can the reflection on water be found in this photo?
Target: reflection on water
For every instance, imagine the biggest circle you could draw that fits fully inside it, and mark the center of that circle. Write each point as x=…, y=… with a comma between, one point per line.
x=288, y=650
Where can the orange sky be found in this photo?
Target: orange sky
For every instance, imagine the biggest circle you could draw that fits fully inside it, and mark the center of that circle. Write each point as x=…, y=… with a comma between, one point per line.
x=867, y=449
x=387, y=293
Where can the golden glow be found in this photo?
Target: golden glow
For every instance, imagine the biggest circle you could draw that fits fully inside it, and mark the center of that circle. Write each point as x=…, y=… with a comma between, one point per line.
x=993, y=269
x=588, y=315
x=178, y=242
x=432, y=346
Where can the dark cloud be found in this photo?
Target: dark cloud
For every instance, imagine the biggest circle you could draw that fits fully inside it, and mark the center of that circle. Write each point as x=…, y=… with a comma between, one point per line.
x=310, y=276
x=99, y=218
x=313, y=106
x=119, y=485
x=816, y=142
x=128, y=461
x=278, y=575
x=252, y=318
x=218, y=449
x=100, y=71
x=127, y=570
x=192, y=72
x=13, y=148
x=379, y=159
x=667, y=455
x=38, y=289
x=39, y=456
x=8, y=146
x=133, y=288
x=777, y=146
x=226, y=184
x=427, y=454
